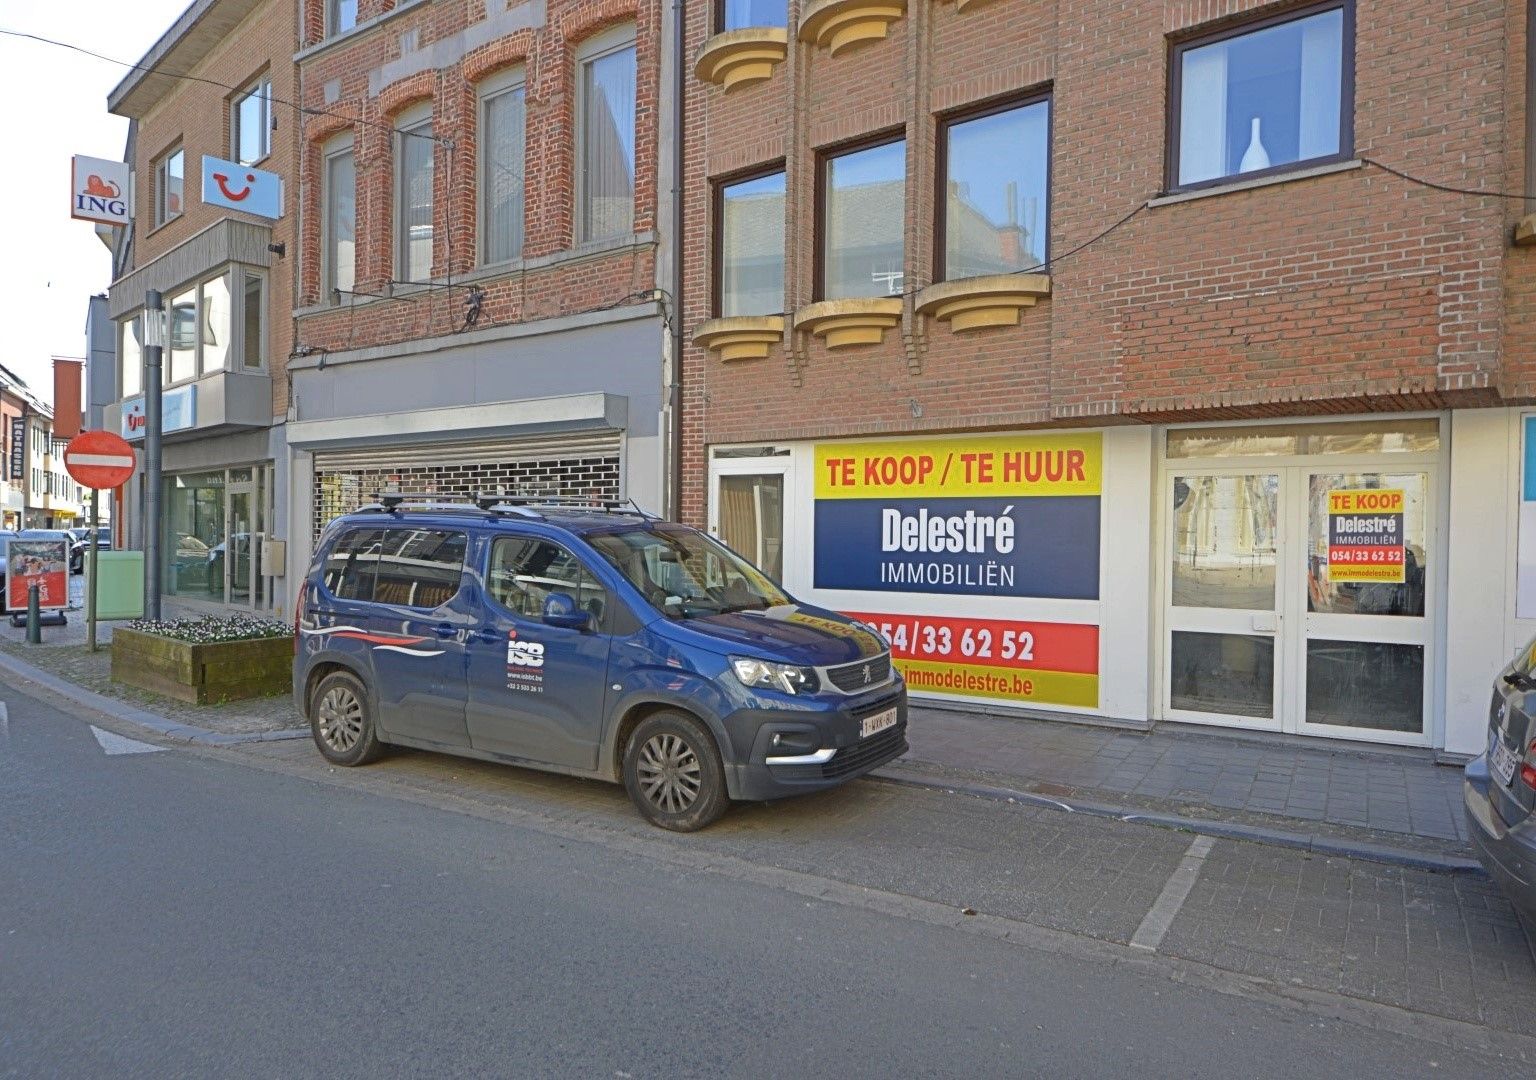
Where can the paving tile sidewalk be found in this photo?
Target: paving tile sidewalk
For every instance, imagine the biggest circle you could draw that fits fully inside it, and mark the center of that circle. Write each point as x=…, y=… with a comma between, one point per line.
x=1195, y=773
x=64, y=654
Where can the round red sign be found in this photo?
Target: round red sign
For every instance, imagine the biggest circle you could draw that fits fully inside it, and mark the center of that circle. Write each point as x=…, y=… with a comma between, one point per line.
x=99, y=459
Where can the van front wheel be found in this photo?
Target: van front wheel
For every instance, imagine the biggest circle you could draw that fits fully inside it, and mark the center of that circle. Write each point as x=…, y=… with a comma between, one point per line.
x=673, y=774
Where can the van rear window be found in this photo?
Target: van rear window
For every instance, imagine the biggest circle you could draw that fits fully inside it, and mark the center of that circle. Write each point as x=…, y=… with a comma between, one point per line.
x=420, y=568
x=351, y=566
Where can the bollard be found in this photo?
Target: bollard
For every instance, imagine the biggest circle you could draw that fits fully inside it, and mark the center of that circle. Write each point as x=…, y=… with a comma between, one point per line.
x=34, y=617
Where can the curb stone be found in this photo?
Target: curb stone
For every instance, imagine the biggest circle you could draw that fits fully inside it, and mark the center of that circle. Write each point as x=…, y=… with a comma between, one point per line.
x=160, y=725
x=1322, y=845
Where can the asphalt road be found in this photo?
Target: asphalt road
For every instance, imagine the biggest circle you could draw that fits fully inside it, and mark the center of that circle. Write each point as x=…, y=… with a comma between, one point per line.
x=181, y=913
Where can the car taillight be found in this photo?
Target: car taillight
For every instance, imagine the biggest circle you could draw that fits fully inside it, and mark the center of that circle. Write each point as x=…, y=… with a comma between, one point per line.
x=298, y=613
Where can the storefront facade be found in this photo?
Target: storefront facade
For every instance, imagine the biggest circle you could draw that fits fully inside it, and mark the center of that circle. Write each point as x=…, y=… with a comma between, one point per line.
x=1338, y=578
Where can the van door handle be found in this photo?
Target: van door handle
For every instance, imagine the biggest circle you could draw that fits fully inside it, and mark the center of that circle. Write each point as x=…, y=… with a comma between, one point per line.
x=488, y=633
x=443, y=630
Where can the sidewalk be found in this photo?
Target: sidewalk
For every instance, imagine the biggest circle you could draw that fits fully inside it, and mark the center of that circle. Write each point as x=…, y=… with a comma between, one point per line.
x=1398, y=796
x=1332, y=796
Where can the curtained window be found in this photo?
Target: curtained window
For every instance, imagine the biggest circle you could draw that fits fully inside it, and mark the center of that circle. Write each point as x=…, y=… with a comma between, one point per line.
x=340, y=221
x=503, y=118
x=413, y=203
x=606, y=172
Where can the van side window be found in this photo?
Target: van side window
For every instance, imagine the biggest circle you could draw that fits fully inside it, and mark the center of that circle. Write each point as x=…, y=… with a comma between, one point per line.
x=351, y=566
x=420, y=568
x=525, y=570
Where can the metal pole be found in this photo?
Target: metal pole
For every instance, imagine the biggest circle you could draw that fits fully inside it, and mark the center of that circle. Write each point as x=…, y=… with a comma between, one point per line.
x=153, y=351
x=90, y=580
x=34, y=617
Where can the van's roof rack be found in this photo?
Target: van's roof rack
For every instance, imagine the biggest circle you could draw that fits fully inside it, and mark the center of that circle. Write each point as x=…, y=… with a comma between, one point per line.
x=386, y=502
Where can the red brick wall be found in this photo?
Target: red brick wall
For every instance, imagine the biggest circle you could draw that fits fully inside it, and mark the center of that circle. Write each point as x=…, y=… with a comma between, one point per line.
x=197, y=114
x=548, y=57
x=1348, y=292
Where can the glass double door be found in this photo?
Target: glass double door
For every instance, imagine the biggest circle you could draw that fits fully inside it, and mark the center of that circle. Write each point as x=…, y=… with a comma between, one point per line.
x=1297, y=599
x=214, y=526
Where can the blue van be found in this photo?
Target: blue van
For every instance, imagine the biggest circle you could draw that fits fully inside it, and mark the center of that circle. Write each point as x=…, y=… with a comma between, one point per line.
x=598, y=642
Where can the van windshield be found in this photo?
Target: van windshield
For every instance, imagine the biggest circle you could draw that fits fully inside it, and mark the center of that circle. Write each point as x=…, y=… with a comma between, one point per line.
x=685, y=574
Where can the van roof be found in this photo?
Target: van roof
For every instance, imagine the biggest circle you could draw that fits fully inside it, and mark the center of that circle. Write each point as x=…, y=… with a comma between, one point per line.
x=494, y=509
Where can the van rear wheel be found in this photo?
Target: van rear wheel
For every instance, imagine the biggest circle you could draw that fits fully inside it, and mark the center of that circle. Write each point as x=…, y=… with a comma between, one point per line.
x=341, y=721
x=673, y=773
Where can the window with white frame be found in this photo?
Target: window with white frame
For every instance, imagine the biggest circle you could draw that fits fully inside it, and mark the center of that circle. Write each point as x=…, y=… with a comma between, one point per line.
x=217, y=323
x=253, y=322
x=503, y=119
x=339, y=219
x=340, y=16
x=605, y=133
x=130, y=352
x=414, y=147
x=1263, y=97
x=250, y=123
x=170, y=184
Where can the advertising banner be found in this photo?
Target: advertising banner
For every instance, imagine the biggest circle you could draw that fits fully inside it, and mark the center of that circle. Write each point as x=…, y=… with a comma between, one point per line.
x=44, y=563
x=18, y=447
x=99, y=190
x=238, y=187
x=1039, y=663
x=1365, y=535
x=1004, y=515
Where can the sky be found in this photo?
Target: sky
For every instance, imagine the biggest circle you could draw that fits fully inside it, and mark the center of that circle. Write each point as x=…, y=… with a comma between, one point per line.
x=55, y=106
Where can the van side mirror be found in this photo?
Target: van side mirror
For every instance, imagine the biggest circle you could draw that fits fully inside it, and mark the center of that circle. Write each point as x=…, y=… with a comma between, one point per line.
x=560, y=610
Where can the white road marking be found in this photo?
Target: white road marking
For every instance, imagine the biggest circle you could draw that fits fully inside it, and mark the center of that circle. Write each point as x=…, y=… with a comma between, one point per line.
x=1149, y=935
x=120, y=744
x=5, y=723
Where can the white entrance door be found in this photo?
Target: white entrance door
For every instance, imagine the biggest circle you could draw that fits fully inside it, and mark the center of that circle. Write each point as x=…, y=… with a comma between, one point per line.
x=1300, y=597
x=748, y=509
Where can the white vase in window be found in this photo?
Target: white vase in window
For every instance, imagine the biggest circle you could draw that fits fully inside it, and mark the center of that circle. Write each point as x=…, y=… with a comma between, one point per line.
x=1255, y=157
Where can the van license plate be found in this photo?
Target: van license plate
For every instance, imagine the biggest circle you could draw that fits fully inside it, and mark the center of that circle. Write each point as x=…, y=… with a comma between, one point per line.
x=1503, y=762
x=879, y=722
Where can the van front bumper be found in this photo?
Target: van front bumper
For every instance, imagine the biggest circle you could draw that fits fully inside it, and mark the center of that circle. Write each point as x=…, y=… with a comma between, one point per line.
x=1507, y=853
x=817, y=749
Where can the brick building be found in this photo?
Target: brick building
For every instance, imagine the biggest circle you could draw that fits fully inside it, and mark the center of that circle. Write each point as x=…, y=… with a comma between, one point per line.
x=212, y=97
x=1097, y=353
x=477, y=306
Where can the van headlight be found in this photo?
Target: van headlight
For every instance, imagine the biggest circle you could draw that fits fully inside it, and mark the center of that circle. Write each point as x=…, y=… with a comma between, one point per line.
x=785, y=677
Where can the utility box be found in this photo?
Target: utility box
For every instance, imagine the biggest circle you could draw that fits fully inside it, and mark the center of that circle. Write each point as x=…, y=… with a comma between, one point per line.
x=274, y=553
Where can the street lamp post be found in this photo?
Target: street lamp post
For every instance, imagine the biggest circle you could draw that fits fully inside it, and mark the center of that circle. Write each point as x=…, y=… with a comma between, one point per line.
x=155, y=333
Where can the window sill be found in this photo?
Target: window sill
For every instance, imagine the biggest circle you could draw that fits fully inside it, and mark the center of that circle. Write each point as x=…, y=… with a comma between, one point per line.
x=846, y=323
x=1258, y=182
x=742, y=57
x=356, y=30
x=741, y=337
x=836, y=25
x=981, y=303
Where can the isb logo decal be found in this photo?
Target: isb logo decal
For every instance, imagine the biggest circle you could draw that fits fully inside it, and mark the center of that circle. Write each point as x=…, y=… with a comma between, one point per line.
x=525, y=664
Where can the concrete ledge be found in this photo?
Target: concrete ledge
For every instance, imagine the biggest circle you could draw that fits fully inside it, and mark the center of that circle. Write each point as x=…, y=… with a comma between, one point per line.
x=979, y=303
x=742, y=57
x=837, y=25
x=741, y=337
x=857, y=321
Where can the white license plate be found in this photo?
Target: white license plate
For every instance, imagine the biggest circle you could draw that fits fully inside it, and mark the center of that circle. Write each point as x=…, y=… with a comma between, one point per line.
x=879, y=722
x=1502, y=761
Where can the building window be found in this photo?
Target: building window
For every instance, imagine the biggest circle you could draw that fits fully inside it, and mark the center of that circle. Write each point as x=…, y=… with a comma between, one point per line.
x=750, y=245
x=253, y=323
x=181, y=355
x=340, y=221
x=340, y=16
x=503, y=118
x=995, y=169
x=215, y=324
x=413, y=202
x=250, y=124
x=740, y=14
x=606, y=139
x=863, y=213
x=131, y=351
x=1264, y=97
x=170, y=174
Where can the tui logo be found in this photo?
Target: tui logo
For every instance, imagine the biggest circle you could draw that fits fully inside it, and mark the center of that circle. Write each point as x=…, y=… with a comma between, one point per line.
x=223, y=182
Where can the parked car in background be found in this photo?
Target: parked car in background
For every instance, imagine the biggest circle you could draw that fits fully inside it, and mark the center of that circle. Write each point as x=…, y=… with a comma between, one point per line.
x=82, y=546
x=597, y=643
x=1499, y=790
x=76, y=548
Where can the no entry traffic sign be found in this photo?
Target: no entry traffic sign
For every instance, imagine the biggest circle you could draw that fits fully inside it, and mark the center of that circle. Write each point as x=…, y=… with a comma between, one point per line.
x=99, y=459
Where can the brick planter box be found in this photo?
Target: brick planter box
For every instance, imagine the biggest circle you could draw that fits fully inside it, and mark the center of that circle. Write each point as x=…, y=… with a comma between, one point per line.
x=203, y=674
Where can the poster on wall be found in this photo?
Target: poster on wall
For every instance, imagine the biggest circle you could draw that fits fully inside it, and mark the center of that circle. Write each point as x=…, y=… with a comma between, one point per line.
x=977, y=516
x=961, y=517
x=1365, y=535
x=1525, y=568
x=44, y=563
